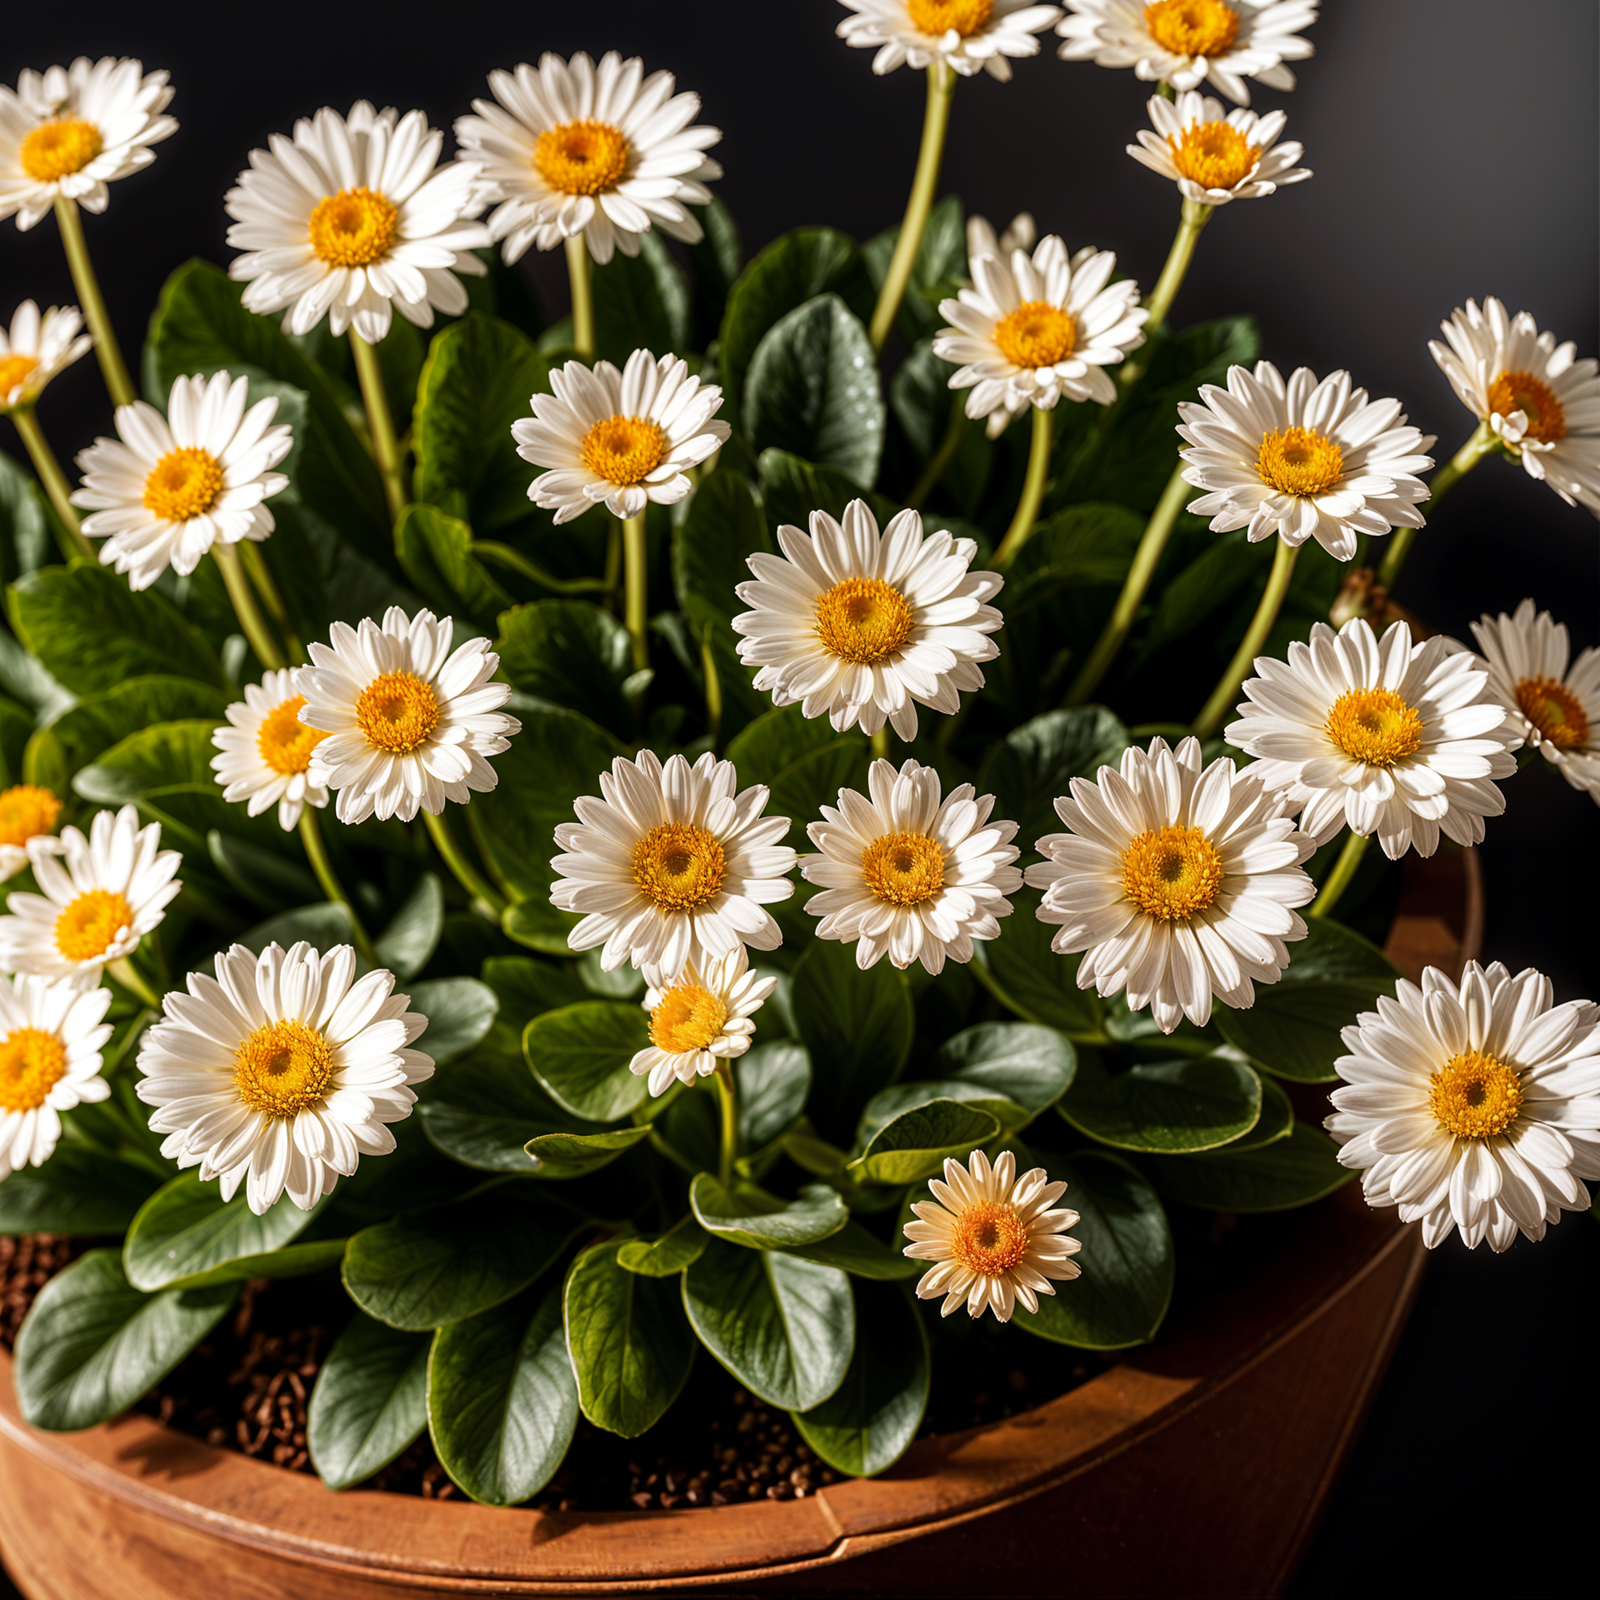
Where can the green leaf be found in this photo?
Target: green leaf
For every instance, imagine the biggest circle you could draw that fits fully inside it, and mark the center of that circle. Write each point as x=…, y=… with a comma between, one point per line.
x=1276, y=1121
x=1037, y=762
x=571, y=653
x=436, y=553
x=93, y=1344
x=162, y=756
x=898, y=1098
x=1169, y=1107
x=852, y=1249
x=575, y=1155
x=630, y=1346
x=99, y=721
x=1017, y=1061
x=78, y=1190
x=791, y=489
x=527, y=988
x=1275, y=1177
x=580, y=1055
x=406, y=946
x=773, y=1081
x=760, y=1221
x=502, y=1402
x=1227, y=564
x=369, y=1402
x=724, y=526
x=915, y=1144
x=460, y=1011
x=785, y=1328
x=715, y=259
x=667, y=1256
x=641, y=303
x=25, y=538
x=259, y=875
x=1030, y=978
x=803, y=761
x=937, y=272
x=321, y=926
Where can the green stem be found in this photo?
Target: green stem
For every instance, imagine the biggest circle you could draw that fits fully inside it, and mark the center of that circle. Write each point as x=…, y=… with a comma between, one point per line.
x=317, y=855
x=1154, y=541
x=578, y=271
x=939, y=461
x=728, y=1100
x=123, y=970
x=112, y=367
x=260, y=575
x=1032, y=489
x=503, y=555
x=69, y=536
x=636, y=579
x=1195, y=217
x=613, y=574
x=245, y=607
x=935, y=125
x=1483, y=440
x=484, y=897
x=1337, y=881
x=880, y=744
x=385, y=446
x=1227, y=689
x=708, y=666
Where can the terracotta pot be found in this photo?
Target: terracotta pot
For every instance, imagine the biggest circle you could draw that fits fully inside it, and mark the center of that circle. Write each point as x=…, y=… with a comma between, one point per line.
x=1198, y=1465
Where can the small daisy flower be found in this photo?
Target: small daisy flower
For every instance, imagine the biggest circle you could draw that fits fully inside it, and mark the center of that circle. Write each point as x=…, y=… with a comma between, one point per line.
x=1542, y=405
x=1038, y=328
x=68, y=132
x=282, y=1071
x=1213, y=155
x=969, y=36
x=1548, y=707
x=672, y=865
x=865, y=629
x=35, y=350
x=26, y=812
x=603, y=151
x=1189, y=42
x=1021, y=233
x=1303, y=459
x=1177, y=883
x=51, y=1036
x=167, y=488
x=700, y=1018
x=353, y=217
x=407, y=723
x=1473, y=1107
x=266, y=752
x=907, y=877
x=993, y=1237
x=102, y=895
x=1391, y=737
x=619, y=439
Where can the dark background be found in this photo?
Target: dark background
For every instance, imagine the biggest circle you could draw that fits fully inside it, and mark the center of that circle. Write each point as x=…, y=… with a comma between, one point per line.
x=1454, y=154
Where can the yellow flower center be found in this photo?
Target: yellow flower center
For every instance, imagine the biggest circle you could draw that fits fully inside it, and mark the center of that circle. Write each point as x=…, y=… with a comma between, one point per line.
x=1171, y=873
x=58, y=148
x=989, y=1238
x=679, y=866
x=582, y=157
x=1213, y=154
x=184, y=483
x=31, y=1063
x=1375, y=726
x=1521, y=391
x=353, y=228
x=1192, y=27
x=688, y=1018
x=1474, y=1096
x=397, y=711
x=1299, y=461
x=624, y=449
x=862, y=620
x=282, y=1068
x=1550, y=706
x=85, y=929
x=1036, y=334
x=285, y=742
x=937, y=17
x=25, y=811
x=905, y=869
x=13, y=369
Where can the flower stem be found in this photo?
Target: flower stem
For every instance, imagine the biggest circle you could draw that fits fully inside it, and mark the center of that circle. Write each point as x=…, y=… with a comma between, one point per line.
x=503, y=555
x=260, y=574
x=1032, y=489
x=636, y=578
x=708, y=665
x=880, y=744
x=1338, y=880
x=69, y=536
x=484, y=897
x=578, y=272
x=1227, y=689
x=935, y=125
x=1483, y=440
x=317, y=855
x=385, y=446
x=112, y=367
x=1195, y=217
x=124, y=971
x=245, y=607
x=939, y=461
x=728, y=1100
x=1154, y=541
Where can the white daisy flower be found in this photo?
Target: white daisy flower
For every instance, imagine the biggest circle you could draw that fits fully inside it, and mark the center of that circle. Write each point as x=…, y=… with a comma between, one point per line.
x=670, y=867
x=102, y=895
x=1189, y=42
x=1473, y=1107
x=1303, y=459
x=69, y=131
x=168, y=488
x=1177, y=884
x=353, y=216
x=907, y=877
x=281, y=1072
x=1390, y=737
x=1555, y=710
x=1038, y=329
x=1542, y=405
x=266, y=751
x=408, y=722
x=994, y=1237
x=621, y=439
x=700, y=1018
x=865, y=629
x=1214, y=155
x=51, y=1036
x=26, y=812
x=1021, y=233
x=35, y=350
x=968, y=36
x=603, y=151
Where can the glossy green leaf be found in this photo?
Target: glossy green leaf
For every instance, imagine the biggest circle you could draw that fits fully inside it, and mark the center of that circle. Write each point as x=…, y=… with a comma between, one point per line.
x=369, y=1402
x=262, y=876
x=571, y=653
x=887, y=1104
x=852, y=1249
x=1166, y=1107
x=1276, y=1120
x=580, y=1055
x=155, y=757
x=575, y=1155
x=79, y=1190
x=791, y=489
x=406, y=946
x=527, y=988
x=460, y=1011
x=1035, y=764
x=25, y=538
x=1030, y=978
x=640, y=303
x=1029, y=1065
x=101, y=720
x=715, y=260
x=915, y=1144
x=803, y=761
x=436, y=554
x=322, y=926
x=723, y=527
x=773, y=1081
x=667, y=1256
x=750, y=1216
x=1275, y=1177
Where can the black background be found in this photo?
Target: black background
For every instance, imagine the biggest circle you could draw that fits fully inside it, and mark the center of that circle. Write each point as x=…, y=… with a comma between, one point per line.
x=1454, y=152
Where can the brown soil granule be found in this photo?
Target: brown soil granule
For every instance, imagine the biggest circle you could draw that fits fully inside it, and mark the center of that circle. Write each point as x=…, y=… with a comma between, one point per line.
x=27, y=1263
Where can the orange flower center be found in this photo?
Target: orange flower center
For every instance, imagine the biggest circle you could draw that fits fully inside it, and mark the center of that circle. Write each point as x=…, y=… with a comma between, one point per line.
x=353, y=228
x=1192, y=27
x=989, y=1238
x=282, y=1068
x=904, y=869
x=1171, y=873
x=58, y=148
x=13, y=369
x=184, y=483
x=86, y=927
x=937, y=17
x=624, y=449
x=32, y=1062
x=585, y=156
x=1299, y=461
x=1213, y=154
x=1551, y=707
x=688, y=1018
x=396, y=711
x=1521, y=391
x=679, y=866
x=25, y=811
x=285, y=742
x=1475, y=1096
x=863, y=620
x=1375, y=726
x=1036, y=334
